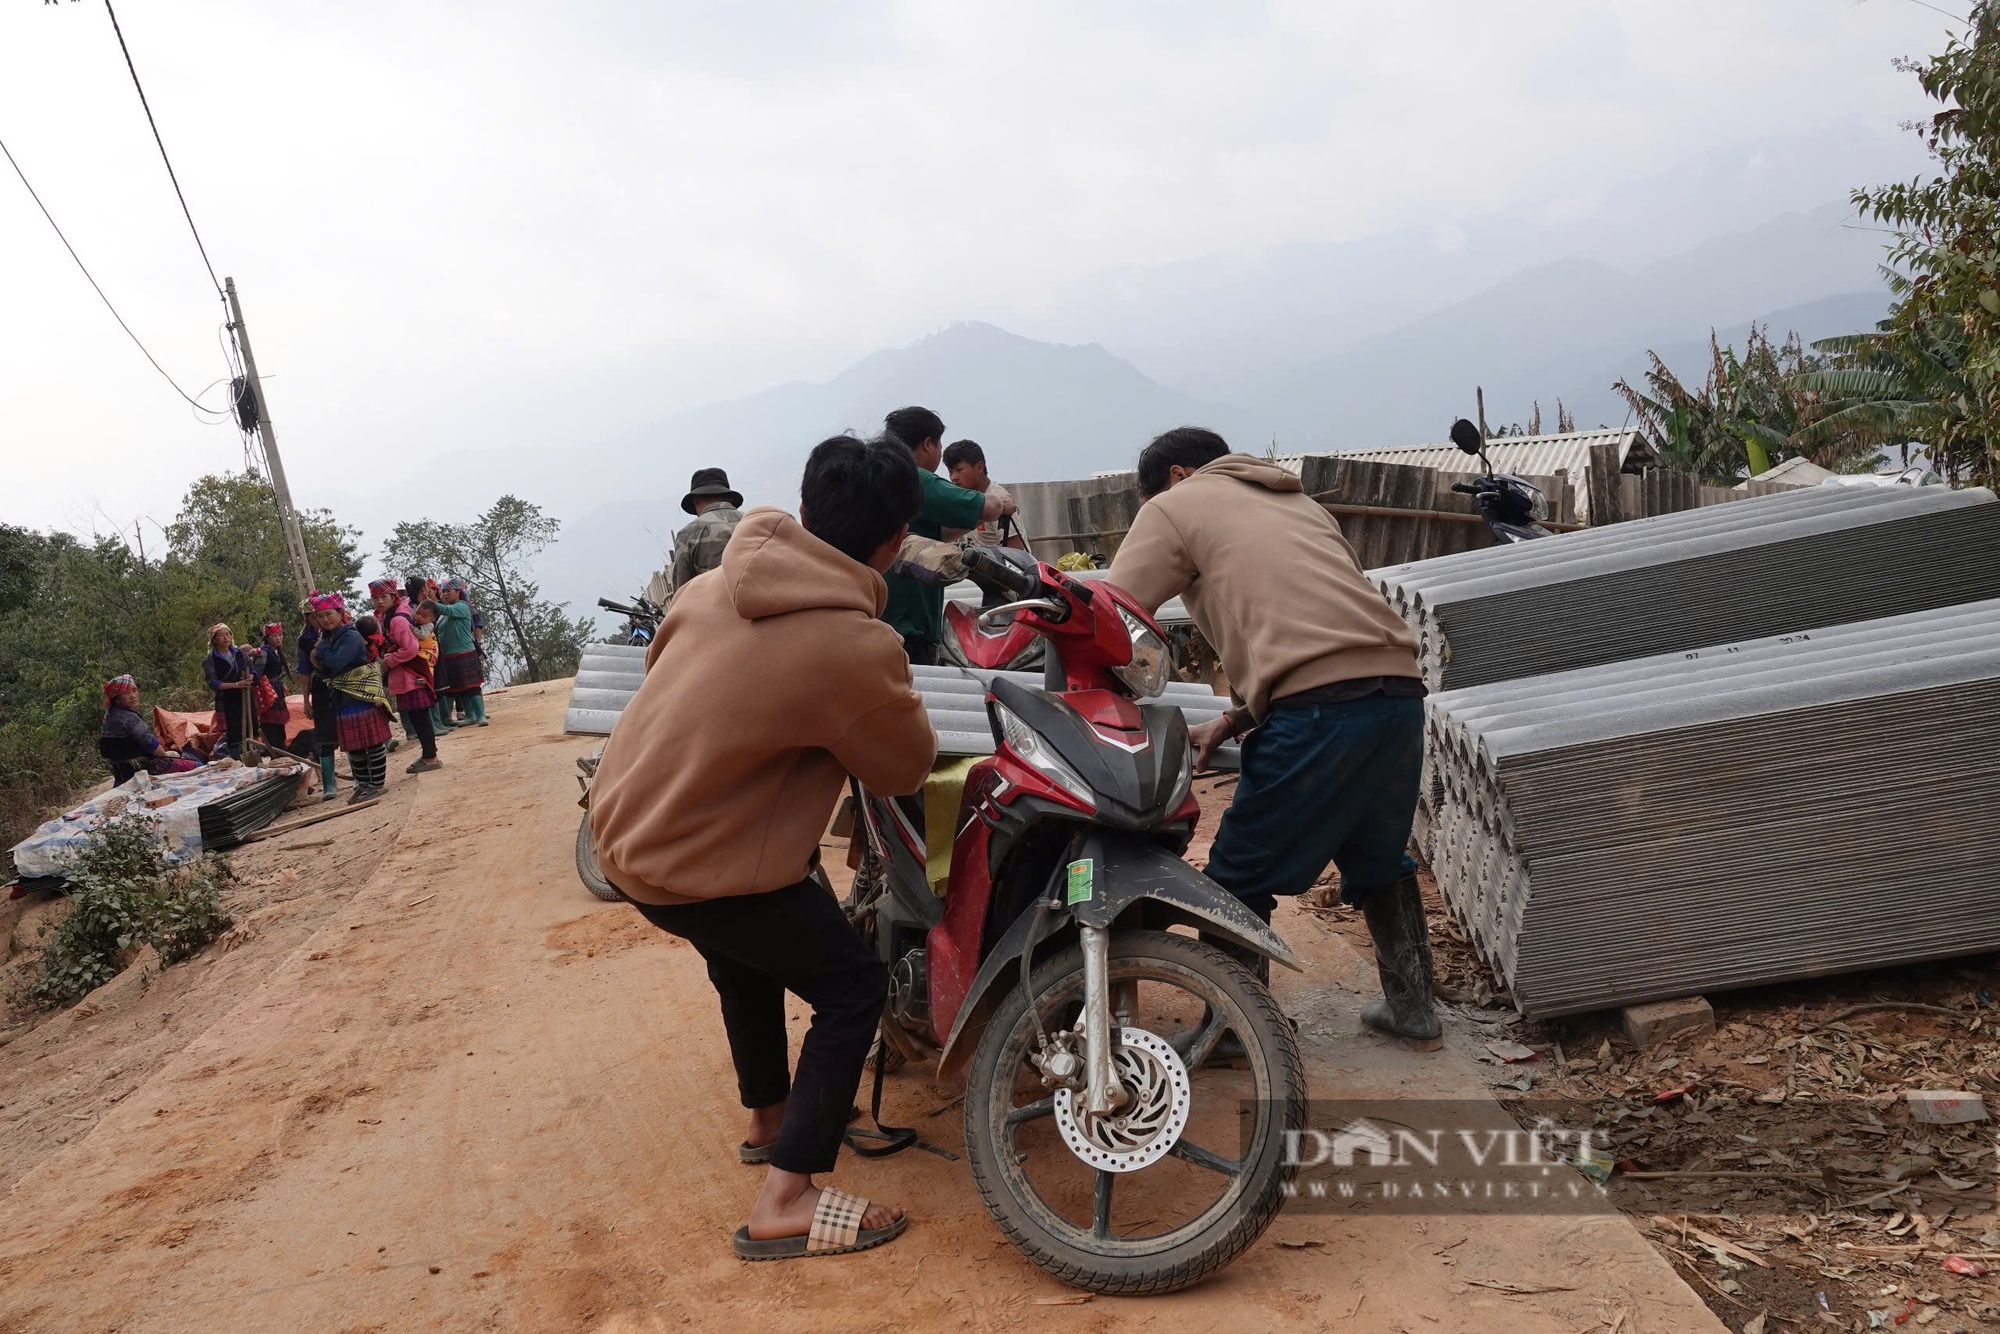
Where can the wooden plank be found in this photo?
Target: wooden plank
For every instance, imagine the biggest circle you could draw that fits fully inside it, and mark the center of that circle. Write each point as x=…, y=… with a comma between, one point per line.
x=1602, y=496
x=311, y=819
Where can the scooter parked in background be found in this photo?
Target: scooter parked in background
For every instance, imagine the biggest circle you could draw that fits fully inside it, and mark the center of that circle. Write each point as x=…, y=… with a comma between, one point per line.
x=1509, y=504
x=642, y=620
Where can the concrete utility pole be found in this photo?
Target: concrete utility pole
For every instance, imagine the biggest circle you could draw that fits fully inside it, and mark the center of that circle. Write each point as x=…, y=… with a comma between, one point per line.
x=288, y=518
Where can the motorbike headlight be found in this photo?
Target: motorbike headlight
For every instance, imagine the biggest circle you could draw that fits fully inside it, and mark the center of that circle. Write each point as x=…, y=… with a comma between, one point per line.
x=1152, y=662
x=1041, y=756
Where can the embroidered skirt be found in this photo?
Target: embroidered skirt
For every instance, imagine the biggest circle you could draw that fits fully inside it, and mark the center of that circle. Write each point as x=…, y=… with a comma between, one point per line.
x=458, y=673
x=361, y=726
x=416, y=701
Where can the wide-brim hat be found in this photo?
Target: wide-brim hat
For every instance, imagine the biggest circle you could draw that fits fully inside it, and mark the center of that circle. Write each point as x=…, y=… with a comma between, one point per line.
x=709, y=482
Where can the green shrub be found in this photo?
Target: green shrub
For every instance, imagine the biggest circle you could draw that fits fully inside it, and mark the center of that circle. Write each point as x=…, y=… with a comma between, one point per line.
x=124, y=895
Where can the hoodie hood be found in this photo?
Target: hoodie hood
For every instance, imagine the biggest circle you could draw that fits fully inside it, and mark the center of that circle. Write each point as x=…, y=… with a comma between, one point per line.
x=1250, y=468
x=772, y=566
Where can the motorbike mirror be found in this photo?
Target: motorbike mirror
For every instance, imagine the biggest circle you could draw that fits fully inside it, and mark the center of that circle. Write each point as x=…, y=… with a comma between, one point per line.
x=1466, y=436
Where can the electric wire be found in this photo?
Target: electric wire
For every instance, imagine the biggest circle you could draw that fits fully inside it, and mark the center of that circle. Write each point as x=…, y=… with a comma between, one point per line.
x=148, y=108
x=85, y=270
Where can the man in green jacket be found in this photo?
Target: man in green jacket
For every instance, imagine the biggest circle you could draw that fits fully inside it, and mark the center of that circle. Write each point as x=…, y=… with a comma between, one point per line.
x=916, y=607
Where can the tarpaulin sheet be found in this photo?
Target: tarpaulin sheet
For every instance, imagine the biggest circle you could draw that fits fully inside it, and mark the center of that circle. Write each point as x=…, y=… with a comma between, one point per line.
x=179, y=729
x=180, y=797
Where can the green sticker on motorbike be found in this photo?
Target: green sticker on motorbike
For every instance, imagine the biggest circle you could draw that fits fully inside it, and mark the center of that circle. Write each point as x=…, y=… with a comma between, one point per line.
x=1080, y=879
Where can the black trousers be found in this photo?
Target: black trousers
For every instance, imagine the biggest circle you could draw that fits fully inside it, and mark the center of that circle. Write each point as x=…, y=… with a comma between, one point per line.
x=758, y=947
x=417, y=722
x=921, y=652
x=229, y=703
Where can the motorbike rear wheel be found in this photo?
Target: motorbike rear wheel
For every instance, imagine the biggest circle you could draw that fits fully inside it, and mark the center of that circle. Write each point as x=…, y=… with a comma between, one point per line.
x=587, y=869
x=1059, y=1210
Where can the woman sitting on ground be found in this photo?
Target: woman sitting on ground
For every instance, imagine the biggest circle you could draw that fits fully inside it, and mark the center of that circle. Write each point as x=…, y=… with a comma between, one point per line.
x=128, y=743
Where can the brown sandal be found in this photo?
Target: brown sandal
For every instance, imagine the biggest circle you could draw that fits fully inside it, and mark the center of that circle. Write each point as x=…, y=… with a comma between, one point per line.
x=836, y=1230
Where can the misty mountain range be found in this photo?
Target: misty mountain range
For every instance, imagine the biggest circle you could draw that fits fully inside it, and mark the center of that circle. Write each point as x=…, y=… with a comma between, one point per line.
x=1371, y=343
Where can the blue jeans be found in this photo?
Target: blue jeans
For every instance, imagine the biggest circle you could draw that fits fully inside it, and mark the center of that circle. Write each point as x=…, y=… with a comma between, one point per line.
x=1333, y=783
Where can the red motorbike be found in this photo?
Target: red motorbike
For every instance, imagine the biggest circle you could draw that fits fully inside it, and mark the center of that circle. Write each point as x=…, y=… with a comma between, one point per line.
x=1127, y=1086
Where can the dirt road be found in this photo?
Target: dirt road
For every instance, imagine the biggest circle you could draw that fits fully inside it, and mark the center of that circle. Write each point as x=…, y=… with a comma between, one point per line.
x=472, y=1097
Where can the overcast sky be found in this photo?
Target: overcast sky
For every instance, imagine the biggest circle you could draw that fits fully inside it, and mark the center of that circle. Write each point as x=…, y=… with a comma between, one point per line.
x=460, y=223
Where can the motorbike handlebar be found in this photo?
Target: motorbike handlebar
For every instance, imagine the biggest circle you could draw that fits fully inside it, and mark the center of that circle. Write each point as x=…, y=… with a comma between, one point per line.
x=1466, y=488
x=647, y=612
x=1000, y=574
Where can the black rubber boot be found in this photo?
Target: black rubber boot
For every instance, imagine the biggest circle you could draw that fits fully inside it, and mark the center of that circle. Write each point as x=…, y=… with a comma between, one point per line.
x=1402, y=938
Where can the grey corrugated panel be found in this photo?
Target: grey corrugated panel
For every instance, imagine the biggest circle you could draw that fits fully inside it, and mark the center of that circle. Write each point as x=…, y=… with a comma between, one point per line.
x=1758, y=812
x=1709, y=660
x=608, y=680
x=590, y=722
x=1711, y=531
x=613, y=700
x=616, y=650
x=1658, y=531
x=1799, y=569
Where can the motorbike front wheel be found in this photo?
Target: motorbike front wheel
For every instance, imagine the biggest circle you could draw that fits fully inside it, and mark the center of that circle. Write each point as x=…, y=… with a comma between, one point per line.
x=1158, y=1220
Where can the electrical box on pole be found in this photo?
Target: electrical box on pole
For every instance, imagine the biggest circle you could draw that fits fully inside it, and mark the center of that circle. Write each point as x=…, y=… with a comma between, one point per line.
x=288, y=517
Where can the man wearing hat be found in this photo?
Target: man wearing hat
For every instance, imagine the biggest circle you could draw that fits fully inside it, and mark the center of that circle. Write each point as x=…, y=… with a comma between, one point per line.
x=716, y=509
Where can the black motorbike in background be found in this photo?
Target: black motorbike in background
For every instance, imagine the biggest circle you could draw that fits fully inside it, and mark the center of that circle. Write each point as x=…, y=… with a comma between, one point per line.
x=1509, y=504
x=642, y=620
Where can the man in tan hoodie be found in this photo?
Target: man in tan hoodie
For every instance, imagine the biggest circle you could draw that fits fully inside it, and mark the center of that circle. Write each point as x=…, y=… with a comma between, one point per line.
x=772, y=679
x=1323, y=671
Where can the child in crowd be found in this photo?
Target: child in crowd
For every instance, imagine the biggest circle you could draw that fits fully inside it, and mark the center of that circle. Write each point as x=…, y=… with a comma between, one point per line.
x=425, y=615
x=370, y=630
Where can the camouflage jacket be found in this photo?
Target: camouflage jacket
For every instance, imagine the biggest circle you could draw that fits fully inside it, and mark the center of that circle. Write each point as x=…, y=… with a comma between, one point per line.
x=698, y=547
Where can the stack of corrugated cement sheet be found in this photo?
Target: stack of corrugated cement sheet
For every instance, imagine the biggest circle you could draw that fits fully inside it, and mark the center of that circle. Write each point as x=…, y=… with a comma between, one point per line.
x=1813, y=557
x=955, y=696
x=1776, y=808
x=606, y=680
x=956, y=699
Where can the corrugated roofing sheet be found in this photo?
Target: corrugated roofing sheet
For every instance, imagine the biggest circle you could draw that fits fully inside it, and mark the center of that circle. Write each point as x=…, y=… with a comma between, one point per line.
x=1739, y=815
x=954, y=696
x=1769, y=565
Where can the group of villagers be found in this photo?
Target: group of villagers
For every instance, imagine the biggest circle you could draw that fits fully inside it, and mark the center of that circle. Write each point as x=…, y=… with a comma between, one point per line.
x=415, y=655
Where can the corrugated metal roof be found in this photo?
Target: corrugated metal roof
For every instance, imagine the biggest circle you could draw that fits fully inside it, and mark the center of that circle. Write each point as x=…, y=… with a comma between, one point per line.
x=1525, y=456
x=1798, y=471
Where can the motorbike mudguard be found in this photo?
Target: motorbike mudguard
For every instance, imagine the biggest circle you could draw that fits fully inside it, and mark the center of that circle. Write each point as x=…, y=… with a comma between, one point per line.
x=1125, y=872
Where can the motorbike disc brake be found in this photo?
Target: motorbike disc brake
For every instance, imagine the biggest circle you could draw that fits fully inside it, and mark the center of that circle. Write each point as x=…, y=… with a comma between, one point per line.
x=1151, y=1122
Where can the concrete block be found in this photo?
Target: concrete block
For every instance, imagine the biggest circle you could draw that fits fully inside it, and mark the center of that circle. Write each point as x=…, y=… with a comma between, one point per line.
x=1646, y=1025
x=1945, y=1107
